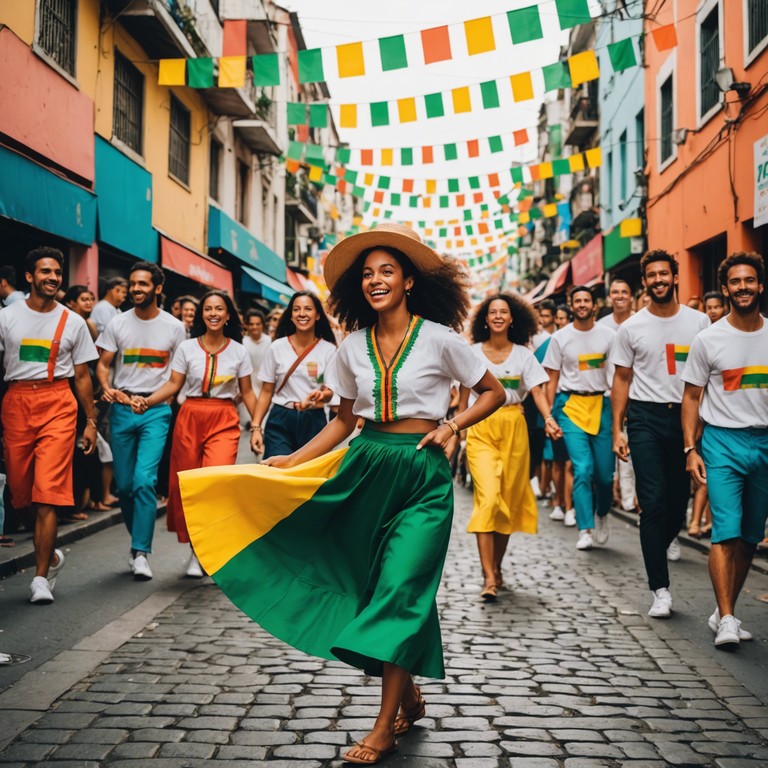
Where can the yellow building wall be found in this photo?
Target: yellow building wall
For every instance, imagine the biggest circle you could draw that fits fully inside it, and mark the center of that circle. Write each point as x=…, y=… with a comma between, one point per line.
x=19, y=15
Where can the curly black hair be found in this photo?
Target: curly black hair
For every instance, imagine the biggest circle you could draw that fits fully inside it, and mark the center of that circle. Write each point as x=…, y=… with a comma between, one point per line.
x=439, y=295
x=749, y=258
x=232, y=328
x=524, y=323
x=286, y=327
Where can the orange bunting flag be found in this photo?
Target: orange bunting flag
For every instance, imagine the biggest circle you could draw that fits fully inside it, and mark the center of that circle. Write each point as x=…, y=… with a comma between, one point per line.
x=406, y=110
x=348, y=116
x=520, y=137
x=436, y=44
x=664, y=37
x=350, y=60
x=235, y=38
x=426, y=202
x=493, y=180
x=460, y=201
x=378, y=196
x=292, y=166
x=478, y=197
x=479, y=34
x=427, y=155
x=366, y=157
x=473, y=148
x=522, y=86
x=231, y=71
x=172, y=72
x=583, y=67
x=534, y=171
x=407, y=186
x=461, y=100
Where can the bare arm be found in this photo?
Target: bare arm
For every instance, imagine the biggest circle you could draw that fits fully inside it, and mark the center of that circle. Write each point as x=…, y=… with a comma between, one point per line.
x=551, y=427
x=257, y=416
x=554, y=379
x=171, y=388
x=109, y=395
x=249, y=398
x=84, y=393
x=622, y=377
x=690, y=419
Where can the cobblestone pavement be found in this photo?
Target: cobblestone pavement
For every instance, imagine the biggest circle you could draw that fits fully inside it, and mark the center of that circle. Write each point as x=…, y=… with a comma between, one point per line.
x=561, y=672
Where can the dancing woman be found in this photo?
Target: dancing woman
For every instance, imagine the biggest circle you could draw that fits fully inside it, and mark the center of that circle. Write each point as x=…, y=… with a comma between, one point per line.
x=498, y=453
x=340, y=553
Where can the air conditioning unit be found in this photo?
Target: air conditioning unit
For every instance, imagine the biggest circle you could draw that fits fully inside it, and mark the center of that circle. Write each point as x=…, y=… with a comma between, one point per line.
x=313, y=233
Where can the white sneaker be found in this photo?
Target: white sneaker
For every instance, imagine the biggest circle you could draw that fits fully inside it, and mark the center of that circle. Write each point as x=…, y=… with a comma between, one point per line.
x=194, y=569
x=714, y=621
x=727, y=632
x=53, y=570
x=673, y=551
x=40, y=591
x=536, y=487
x=557, y=514
x=570, y=518
x=585, y=540
x=601, y=529
x=662, y=604
x=141, y=569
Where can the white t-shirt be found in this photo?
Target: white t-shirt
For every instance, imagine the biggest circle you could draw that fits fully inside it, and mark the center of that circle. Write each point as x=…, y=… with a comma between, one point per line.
x=417, y=384
x=211, y=375
x=581, y=357
x=518, y=374
x=656, y=348
x=309, y=375
x=539, y=338
x=102, y=313
x=257, y=352
x=732, y=366
x=144, y=349
x=26, y=337
x=12, y=298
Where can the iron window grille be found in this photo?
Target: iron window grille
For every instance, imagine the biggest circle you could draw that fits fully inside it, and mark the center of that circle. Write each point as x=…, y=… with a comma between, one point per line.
x=757, y=14
x=214, y=161
x=128, y=109
x=56, y=31
x=709, y=61
x=178, y=146
x=666, y=119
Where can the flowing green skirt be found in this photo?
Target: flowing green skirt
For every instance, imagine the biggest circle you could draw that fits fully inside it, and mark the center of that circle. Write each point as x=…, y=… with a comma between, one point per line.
x=340, y=557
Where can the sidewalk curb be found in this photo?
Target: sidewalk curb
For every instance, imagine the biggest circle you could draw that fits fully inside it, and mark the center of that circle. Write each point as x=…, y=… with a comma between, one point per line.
x=687, y=541
x=24, y=552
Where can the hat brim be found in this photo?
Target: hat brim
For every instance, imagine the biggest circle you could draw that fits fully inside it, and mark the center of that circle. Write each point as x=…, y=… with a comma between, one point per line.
x=345, y=253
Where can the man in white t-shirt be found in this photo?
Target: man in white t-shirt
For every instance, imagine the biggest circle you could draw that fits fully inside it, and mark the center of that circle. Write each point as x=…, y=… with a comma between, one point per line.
x=8, y=291
x=142, y=342
x=649, y=357
x=577, y=364
x=257, y=343
x=109, y=306
x=43, y=346
x=726, y=387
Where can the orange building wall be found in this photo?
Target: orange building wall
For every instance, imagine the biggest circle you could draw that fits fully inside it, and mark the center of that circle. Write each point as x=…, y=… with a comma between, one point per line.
x=700, y=206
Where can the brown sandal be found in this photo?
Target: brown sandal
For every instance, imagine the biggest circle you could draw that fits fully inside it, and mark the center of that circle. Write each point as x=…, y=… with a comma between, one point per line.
x=407, y=717
x=379, y=754
x=489, y=593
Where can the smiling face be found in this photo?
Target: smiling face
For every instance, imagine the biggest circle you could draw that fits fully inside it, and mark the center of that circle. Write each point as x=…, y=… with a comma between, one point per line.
x=46, y=280
x=498, y=318
x=255, y=327
x=215, y=313
x=304, y=314
x=384, y=284
x=621, y=297
x=142, y=289
x=561, y=318
x=660, y=282
x=188, y=310
x=582, y=305
x=743, y=288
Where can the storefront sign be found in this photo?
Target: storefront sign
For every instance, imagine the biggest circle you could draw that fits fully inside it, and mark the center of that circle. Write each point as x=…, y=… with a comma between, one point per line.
x=186, y=262
x=761, y=182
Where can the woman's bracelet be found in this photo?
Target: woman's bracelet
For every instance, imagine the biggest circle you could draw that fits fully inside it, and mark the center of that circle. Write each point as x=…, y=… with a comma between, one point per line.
x=256, y=428
x=453, y=425
x=92, y=422
x=550, y=417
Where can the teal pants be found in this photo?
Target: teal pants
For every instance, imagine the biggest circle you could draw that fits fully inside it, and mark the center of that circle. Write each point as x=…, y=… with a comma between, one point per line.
x=593, y=464
x=137, y=446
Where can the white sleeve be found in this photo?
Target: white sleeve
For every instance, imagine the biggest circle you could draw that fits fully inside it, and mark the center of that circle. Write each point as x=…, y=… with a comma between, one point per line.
x=180, y=336
x=179, y=362
x=697, y=368
x=107, y=340
x=83, y=348
x=621, y=352
x=554, y=357
x=533, y=372
x=244, y=366
x=338, y=376
x=460, y=360
x=268, y=370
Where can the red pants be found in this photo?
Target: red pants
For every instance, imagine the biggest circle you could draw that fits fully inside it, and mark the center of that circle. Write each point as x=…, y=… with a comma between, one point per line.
x=206, y=434
x=39, y=428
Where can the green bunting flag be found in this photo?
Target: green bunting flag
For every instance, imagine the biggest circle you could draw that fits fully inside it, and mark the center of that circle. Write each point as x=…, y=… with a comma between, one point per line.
x=358, y=191
x=266, y=70
x=517, y=174
x=379, y=113
x=556, y=76
x=445, y=201
x=393, y=55
x=413, y=201
x=467, y=215
x=474, y=182
x=297, y=113
x=434, y=105
x=572, y=12
x=495, y=144
x=622, y=55
x=384, y=182
x=560, y=167
x=343, y=155
x=311, y=66
x=525, y=24
x=406, y=156
x=490, y=94
x=318, y=116
x=314, y=156
x=395, y=198
x=200, y=73
x=351, y=176
x=453, y=185
x=295, y=150
x=451, y=152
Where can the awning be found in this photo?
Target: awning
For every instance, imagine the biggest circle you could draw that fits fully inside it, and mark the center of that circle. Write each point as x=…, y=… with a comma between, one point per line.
x=557, y=281
x=228, y=235
x=531, y=295
x=33, y=195
x=299, y=282
x=124, y=203
x=265, y=286
x=184, y=261
x=587, y=264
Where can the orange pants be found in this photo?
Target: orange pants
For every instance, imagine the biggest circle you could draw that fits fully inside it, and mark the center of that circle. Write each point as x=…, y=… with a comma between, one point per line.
x=39, y=428
x=206, y=434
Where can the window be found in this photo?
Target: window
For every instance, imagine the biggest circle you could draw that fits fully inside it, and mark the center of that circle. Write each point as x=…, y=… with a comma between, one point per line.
x=757, y=24
x=609, y=182
x=243, y=178
x=623, y=170
x=129, y=103
x=215, y=166
x=640, y=139
x=178, y=146
x=666, y=119
x=56, y=31
x=709, y=61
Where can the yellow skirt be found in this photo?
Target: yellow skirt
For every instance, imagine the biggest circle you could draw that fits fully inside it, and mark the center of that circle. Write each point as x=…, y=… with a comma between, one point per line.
x=499, y=460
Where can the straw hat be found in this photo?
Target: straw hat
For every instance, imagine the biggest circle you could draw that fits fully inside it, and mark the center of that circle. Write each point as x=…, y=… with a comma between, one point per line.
x=389, y=234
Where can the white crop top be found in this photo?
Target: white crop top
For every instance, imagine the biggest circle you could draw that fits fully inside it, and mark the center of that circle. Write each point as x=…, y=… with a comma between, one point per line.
x=417, y=382
x=211, y=375
x=518, y=374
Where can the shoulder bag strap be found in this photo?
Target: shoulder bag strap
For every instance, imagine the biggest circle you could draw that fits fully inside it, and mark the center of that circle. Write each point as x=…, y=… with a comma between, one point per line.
x=296, y=364
x=56, y=343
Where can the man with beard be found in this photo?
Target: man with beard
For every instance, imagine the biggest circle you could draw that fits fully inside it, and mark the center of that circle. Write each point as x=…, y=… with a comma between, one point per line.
x=142, y=341
x=729, y=363
x=620, y=295
x=44, y=345
x=649, y=356
x=576, y=362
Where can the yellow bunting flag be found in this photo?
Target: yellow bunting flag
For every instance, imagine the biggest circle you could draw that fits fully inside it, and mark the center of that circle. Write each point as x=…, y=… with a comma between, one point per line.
x=576, y=162
x=368, y=180
x=231, y=71
x=550, y=210
x=387, y=157
x=334, y=212
x=461, y=100
x=545, y=171
x=431, y=186
x=473, y=241
x=357, y=221
x=350, y=60
x=479, y=34
x=594, y=157
x=406, y=110
x=631, y=228
x=348, y=116
x=426, y=202
x=172, y=72
x=524, y=218
x=583, y=67
x=315, y=173
x=522, y=86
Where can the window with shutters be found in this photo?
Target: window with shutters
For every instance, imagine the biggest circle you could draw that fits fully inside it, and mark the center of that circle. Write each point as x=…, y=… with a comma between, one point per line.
x=178, y=145
x=666, y=108
x=128, y=109
x=709, y=61
x=756, y=19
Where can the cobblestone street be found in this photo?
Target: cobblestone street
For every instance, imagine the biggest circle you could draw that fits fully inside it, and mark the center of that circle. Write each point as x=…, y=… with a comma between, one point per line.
x=565, y=670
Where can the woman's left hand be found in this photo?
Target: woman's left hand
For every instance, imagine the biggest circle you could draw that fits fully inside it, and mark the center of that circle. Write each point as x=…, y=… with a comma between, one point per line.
x=440, y=438
x=315, y=399
x=281, y=462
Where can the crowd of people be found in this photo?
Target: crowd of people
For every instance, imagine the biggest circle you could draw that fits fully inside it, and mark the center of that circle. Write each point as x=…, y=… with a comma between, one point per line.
x=644, y=403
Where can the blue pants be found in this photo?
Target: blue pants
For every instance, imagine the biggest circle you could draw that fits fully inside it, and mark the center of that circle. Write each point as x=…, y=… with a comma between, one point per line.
x=593, y=464
x=287, y=429
x=137, y=445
